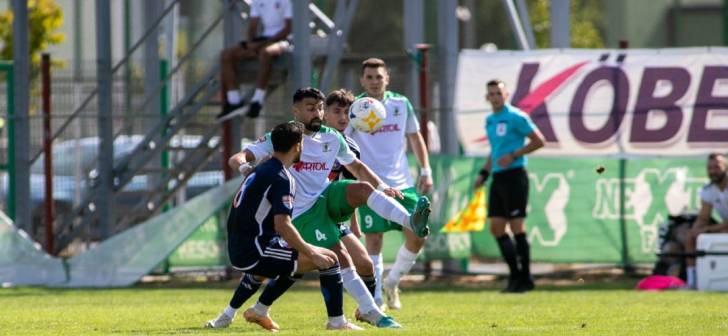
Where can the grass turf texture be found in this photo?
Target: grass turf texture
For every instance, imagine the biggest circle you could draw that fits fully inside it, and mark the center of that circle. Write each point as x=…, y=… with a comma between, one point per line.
x=441, y=309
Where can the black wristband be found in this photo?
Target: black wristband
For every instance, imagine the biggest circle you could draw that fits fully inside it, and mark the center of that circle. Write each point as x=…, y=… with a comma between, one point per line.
x=484, y=173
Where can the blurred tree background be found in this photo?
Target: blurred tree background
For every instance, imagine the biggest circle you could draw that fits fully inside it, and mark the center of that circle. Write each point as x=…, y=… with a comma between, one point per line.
x=45, y=20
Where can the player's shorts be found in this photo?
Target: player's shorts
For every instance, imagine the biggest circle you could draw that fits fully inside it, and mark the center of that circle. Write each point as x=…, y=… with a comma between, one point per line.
x=508, y=196
x=278, y=259
x=370, y=222
x=319, y=225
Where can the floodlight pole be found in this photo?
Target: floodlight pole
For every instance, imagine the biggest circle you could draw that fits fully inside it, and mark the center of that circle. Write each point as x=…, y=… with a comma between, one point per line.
x=21, y=64
x=104, y=201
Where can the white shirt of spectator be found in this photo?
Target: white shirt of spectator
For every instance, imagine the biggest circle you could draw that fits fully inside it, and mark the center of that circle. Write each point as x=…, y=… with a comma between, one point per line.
x=272, y=13
x=718, y=199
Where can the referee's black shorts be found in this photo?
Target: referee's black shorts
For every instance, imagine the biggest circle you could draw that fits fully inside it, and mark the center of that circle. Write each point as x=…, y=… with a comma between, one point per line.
x=508, y=196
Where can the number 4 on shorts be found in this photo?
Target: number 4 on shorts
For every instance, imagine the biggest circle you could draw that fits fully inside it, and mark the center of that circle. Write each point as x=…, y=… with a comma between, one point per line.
x=320, y=236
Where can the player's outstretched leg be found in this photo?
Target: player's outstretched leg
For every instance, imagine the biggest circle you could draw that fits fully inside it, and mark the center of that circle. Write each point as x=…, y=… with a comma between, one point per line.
x=333, y=292
x=247, y=287
x=361, y=193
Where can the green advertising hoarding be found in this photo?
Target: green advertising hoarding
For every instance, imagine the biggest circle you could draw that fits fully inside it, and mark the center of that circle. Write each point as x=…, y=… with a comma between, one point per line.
x=573, y=211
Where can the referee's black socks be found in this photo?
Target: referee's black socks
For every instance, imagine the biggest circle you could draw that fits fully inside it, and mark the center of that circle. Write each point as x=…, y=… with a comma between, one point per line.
x=509, y=253
x=524, y=254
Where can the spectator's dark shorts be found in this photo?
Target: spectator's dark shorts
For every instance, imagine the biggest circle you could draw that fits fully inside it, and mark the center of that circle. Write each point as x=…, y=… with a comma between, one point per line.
x=508, y=196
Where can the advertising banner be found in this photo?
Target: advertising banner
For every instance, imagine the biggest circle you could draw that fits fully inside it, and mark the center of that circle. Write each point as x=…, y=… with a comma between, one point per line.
x=597, y=102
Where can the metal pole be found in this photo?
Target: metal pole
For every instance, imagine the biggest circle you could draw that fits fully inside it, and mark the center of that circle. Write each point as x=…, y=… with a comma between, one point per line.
x=104, y=202
x=77, y=40
x=626, y=263
x=516, y=24
x=447, y=40
x=48, y=151
x=423, y=58
x=10, y=165
x=302, y=42
x=21, y=63
x=127, y=68
x=230, y=128
x=526, y=22
x=337, y=40
x=560, y=30
x=414, y=33
x=725, y=22
x=152, y=11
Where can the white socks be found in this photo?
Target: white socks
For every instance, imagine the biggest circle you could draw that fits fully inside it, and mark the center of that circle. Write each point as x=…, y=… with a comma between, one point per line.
x=378, y=270
x=261, y=309
x=230, y=311
x=691, y=277
x=356, y=288
x=258, y=96
x=388, y=208
x=337, y=321
x=402, y=265
x=233, y=97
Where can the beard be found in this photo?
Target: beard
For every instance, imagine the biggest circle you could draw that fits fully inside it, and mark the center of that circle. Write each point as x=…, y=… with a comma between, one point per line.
x=298, y=158
x=718, y=178
x=314, y=125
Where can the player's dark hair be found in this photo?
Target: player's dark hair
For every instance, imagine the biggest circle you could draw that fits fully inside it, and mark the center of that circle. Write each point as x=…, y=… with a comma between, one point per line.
x=286, y=135
x=308, y=92
x=341, y=97
x=715, y=155
x=495, y=82
x=373, y=63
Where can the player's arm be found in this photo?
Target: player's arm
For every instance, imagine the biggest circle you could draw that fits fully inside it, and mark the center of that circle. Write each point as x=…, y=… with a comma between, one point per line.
x=535, y=141
x=283, y=225
x=243, y=162
x=252, y=32
x=483, y=174
x=424, y=182
x=363, y=173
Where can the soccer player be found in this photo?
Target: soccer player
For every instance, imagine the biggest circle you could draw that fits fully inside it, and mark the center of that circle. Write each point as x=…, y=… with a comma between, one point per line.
x=385, y=152
x=336, y=115
x=507, y=129
x=263, y=243
x=275, y=15
x=713, y=195
x=321, y=205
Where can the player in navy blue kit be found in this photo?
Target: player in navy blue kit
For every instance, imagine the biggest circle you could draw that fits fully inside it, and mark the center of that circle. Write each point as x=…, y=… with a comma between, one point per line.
x=263, y=243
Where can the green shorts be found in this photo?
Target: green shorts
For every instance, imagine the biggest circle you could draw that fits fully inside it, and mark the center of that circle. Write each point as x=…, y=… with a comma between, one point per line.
x=319, y=225
x=370, y=222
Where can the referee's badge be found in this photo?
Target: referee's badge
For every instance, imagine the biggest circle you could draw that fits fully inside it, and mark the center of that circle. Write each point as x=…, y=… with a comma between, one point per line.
x=500, y=129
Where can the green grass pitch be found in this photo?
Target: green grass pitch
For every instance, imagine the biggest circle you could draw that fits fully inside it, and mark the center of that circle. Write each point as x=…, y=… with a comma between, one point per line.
x=609, y=308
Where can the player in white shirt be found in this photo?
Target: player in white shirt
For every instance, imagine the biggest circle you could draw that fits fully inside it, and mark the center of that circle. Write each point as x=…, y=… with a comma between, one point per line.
x=713, y=196
x=385, y=152
x=319, y=205
x=275, y=16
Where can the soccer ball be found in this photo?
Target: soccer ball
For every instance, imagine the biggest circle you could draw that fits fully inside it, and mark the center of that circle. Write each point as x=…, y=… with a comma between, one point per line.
x=367, y=115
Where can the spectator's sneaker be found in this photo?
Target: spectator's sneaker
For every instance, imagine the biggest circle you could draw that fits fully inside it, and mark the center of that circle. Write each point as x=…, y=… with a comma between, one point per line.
x=222, y=321
x=230, y=111
x=346, y=326
x=264, y=322
x=420, y=218
x=254, y=110
x=392, y=294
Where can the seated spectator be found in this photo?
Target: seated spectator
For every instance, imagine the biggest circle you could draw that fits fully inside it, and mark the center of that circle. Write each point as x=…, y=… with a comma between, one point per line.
x=275, y=15
x=713, y=196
